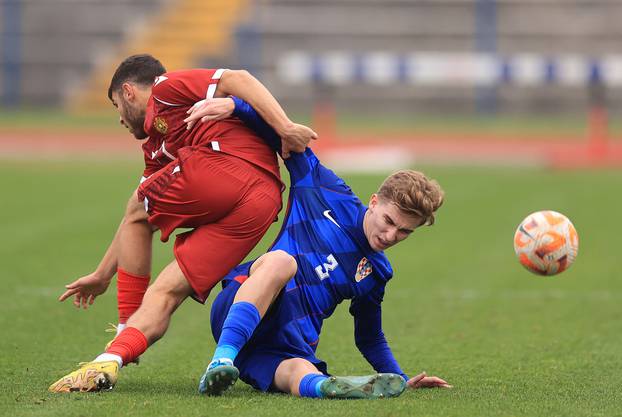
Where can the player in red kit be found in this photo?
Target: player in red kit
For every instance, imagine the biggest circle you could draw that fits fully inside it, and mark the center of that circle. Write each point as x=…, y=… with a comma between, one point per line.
x=218, y=178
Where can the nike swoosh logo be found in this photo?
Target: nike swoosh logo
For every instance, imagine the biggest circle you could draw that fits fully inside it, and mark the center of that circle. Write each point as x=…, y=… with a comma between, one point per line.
x=326, y=214
x=176, y=169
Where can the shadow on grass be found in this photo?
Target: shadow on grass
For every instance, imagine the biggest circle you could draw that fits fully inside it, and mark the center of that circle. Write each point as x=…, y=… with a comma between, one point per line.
x=187, y=388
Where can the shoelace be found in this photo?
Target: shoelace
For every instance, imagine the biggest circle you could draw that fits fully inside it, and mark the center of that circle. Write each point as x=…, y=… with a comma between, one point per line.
x=112, y=329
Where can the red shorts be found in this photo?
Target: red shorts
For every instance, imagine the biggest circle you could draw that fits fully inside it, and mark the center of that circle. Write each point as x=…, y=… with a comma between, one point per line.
x=228, y=202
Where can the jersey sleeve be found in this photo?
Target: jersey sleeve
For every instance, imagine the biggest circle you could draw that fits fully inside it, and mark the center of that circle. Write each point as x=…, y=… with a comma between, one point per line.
x=368, y=334
x=247, y=114
x=305, y=170
x=185, y=88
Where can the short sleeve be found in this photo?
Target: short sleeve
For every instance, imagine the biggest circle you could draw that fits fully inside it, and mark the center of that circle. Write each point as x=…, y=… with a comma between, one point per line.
x=184, y=88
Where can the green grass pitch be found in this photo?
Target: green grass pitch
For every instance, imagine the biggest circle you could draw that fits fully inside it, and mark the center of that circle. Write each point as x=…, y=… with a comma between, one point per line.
x=460, y=306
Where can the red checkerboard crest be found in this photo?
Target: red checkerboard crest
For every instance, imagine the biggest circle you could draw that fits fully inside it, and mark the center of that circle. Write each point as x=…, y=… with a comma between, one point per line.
x=363, y=269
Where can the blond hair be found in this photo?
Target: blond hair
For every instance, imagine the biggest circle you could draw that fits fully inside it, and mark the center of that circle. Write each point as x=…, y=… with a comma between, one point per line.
x=413, y=193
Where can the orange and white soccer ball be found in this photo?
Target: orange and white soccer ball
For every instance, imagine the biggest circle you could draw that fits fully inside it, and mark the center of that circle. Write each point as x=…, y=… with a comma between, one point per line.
x=546, y=242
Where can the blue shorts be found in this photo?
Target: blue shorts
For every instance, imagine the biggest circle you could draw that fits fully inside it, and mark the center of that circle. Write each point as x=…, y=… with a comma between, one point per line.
x=276, y=338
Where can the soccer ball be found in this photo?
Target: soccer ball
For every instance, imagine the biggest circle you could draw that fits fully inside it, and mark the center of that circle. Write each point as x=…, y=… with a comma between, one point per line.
x=546, y=243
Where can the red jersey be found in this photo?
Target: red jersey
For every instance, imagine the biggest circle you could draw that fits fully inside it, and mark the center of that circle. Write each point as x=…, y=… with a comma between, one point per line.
x=171, y=96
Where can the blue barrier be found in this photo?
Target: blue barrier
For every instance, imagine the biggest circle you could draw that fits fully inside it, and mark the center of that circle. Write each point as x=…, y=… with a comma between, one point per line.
x=449, y=69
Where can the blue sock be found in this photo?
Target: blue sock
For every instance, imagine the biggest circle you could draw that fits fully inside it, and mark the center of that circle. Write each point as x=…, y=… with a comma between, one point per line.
x=225, y=351
x=238, y=327
x=310, y=385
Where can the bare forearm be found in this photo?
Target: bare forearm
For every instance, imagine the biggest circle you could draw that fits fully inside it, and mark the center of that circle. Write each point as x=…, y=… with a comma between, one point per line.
x=243, y=85
x=86, y=288
x=108, y=265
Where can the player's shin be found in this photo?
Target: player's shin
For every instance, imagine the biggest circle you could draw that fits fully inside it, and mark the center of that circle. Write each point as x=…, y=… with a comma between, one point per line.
x=128, y=346
x=241, y=321
x=131, y=289
x=237, y=329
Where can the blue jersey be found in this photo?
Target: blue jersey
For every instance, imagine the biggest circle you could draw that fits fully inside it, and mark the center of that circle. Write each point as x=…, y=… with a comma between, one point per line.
x=323, y=230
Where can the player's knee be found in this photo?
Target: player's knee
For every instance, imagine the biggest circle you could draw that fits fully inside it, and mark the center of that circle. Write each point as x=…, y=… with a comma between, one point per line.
x=290, y=372
x=293, y=365
x=284, y=263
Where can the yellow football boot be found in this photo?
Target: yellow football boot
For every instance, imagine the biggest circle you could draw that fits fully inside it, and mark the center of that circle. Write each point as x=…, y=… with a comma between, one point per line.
x=92, y=376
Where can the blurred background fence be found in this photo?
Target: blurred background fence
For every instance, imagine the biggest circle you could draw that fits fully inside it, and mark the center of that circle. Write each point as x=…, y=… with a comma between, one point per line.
x=392, y=60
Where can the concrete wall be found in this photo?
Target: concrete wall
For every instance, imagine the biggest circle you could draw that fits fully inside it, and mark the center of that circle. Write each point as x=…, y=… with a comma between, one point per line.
x=61, y=40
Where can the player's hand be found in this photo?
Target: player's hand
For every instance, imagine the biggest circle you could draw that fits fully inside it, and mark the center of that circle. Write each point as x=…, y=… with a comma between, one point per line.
x=424, y=381
x=209, y=109
x=295, y=138
x=85, y=290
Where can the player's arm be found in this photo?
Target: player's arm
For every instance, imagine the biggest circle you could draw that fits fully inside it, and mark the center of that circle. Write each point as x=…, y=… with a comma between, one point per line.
x=371, y=342
x=242, y=84
x=245, y=112
x=369, y=337
x=221, y=108
x=299, y=167
x=86, y=288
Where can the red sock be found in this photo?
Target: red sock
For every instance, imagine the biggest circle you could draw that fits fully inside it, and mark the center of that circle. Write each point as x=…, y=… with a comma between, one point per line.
x=129, y=344
x=130, y=292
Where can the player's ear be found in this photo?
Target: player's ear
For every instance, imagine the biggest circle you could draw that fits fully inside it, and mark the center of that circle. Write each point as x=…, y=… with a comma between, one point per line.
x=373, y=200
x=128, y=91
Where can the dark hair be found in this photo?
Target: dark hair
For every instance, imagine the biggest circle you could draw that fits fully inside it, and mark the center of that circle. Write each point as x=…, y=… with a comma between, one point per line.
x=140, y=69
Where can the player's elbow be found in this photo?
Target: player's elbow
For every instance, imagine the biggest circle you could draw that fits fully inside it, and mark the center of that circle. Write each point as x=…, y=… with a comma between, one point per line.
x=239, y=75
x=232, y=81
x=361, y=344
x=365, y=341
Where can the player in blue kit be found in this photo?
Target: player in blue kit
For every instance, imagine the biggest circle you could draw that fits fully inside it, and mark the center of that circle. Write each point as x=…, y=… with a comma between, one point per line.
x=330, y=248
